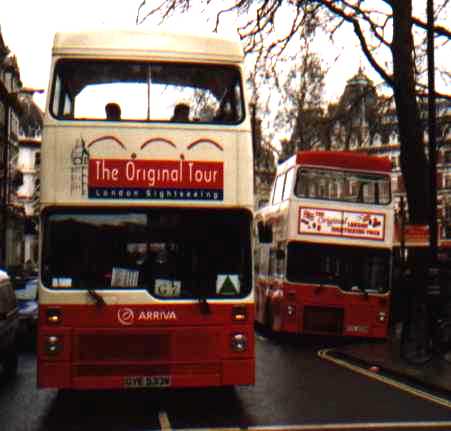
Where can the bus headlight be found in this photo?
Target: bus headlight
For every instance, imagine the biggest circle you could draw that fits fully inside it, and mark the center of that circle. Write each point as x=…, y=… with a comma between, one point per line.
x=291, y=310
x=54, y=316
x=382, y=315
x=239, y=314
x=53, y=345
x=239, y=343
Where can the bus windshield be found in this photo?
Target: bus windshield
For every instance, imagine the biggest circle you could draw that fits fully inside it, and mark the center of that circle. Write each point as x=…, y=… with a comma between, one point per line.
x=345, y=186
x=173, y=254
x=145, y=91
x=350, y=268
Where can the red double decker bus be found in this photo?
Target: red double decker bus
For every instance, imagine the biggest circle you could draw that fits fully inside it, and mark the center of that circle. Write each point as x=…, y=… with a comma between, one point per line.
x=146, y=214
x=324, y=251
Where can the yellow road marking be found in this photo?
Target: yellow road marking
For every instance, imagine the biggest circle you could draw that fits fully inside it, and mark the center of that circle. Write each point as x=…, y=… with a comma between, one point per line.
x=165, y=425
x=324, y=354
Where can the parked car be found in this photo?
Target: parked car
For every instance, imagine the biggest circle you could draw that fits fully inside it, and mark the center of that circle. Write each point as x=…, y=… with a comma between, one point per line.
x=26, y=293
x=9, y=326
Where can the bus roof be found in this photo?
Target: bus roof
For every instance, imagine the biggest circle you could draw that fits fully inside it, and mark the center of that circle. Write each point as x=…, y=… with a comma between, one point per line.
x=138, y=44
x=340, y=160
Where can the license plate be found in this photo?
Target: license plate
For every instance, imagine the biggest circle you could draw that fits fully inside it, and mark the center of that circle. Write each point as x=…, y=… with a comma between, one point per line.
x=147, y=382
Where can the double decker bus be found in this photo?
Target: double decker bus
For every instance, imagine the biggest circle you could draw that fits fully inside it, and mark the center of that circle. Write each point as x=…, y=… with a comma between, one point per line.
x=324, y=251
x=146, y=214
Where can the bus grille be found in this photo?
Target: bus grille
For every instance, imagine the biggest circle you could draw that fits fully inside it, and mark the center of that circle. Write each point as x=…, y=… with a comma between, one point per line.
x=147, y=370
x=121, y=347
x=323, y=320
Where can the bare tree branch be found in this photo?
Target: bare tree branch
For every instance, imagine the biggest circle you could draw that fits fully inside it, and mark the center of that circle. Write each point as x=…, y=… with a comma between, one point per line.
x=438, y=30
x=331, y=6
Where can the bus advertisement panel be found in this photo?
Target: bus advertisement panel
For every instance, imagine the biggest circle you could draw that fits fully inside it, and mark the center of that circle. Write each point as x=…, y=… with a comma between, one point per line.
x=324, y=256
x=146, y=214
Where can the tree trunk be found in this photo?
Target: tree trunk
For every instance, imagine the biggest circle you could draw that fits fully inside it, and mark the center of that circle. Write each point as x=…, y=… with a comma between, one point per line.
x=414, y=165
x=415, y=345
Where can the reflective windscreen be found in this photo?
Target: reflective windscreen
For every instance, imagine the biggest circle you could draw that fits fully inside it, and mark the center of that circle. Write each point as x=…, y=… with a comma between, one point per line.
x=142, y=91
x=346, y=186
x=350, y=268
x=172, y=254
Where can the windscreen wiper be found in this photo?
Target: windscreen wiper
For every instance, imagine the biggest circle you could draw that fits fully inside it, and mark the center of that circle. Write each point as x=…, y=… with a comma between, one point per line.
x=362, y=289
x=204, y=306
x=100, y=302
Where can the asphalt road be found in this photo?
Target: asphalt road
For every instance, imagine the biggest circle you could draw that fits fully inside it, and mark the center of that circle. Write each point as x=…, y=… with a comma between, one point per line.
x=294, y=387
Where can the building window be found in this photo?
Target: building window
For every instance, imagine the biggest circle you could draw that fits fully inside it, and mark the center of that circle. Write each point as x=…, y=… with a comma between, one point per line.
x=37, y=160
x=447, y=156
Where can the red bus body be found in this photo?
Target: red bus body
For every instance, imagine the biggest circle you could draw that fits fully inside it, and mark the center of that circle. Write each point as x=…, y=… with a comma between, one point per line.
x=175, y=346
x=324, y=258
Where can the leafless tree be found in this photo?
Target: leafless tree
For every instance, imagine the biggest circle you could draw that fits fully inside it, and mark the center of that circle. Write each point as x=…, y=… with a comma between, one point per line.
x=391, y=37
x=385, y=30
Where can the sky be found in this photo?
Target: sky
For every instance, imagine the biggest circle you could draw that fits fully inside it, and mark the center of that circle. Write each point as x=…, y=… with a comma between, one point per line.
x=28, y=27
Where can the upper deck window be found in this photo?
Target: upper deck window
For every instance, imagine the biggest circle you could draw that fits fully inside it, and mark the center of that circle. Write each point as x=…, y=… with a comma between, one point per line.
x=166, y=92
x=345, y=186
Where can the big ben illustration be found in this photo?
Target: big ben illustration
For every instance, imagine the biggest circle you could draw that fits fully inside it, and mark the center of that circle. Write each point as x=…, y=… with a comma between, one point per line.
x=79, y=168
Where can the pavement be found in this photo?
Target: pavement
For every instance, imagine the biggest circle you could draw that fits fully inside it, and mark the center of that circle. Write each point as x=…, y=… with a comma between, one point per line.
x=383, y=358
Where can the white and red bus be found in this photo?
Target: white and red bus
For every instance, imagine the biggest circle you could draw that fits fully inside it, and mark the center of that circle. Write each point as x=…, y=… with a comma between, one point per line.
x=324, y=256
x=146, y=214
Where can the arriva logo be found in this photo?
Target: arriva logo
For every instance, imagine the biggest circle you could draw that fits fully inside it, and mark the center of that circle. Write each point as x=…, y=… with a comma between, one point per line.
x=157, y=315
x=126, y=316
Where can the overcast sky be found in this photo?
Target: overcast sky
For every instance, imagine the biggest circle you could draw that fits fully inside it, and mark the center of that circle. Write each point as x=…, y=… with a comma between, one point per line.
x=28, y=27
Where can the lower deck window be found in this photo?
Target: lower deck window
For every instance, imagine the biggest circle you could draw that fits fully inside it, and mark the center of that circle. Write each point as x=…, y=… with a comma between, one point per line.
x=350, y=268
x=171, y=253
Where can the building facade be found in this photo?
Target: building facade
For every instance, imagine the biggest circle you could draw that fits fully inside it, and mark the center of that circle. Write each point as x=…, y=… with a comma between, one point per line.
x=29, y=162
x=365, y=121
x=20, y=128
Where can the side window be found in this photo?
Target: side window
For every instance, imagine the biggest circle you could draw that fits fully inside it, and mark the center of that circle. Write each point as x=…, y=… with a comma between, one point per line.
x=56, y=95
x=288, y=184
x=37, y=160
x=276, y=263
x=272, y=269
x=305, y=184
x=263, y=258
x=278, y=189
x=68, y=107
x=238, y=97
